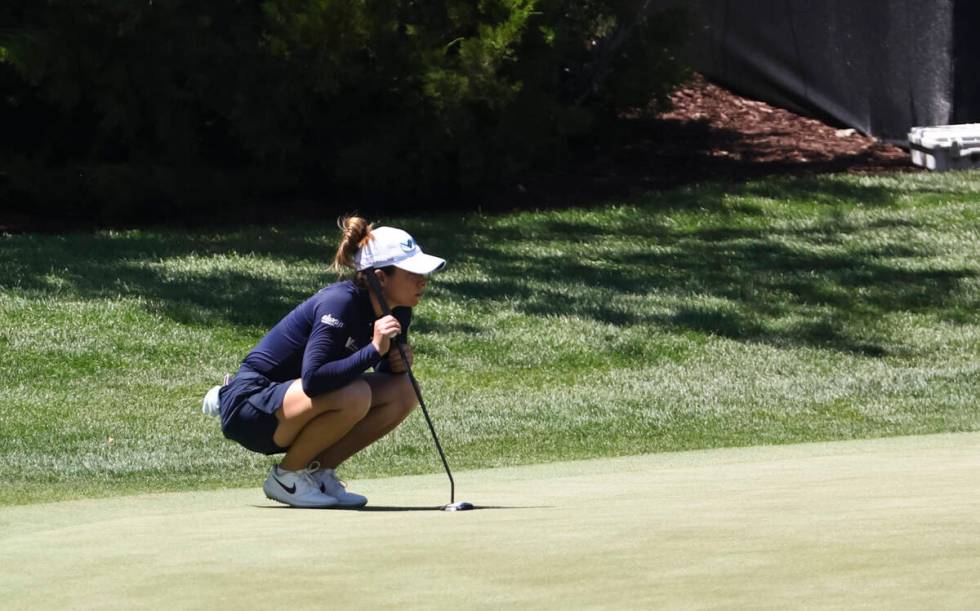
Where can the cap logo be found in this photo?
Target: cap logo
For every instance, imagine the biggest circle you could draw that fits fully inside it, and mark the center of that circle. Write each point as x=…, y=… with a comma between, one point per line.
x=407, y=245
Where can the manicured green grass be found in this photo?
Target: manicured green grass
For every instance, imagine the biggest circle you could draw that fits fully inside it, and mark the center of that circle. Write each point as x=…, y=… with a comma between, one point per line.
x=784, y=310
x=876, y=524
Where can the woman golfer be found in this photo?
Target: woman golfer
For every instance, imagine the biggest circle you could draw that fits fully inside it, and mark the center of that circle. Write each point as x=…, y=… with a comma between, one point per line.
x=305, y=388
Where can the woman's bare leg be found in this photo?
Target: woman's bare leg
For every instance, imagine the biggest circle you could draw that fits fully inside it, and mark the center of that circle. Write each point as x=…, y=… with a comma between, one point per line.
x=392, y=400
x=308, y=426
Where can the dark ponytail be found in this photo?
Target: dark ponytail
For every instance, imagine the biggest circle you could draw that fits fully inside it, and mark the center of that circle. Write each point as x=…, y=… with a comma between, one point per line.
x=357, y=232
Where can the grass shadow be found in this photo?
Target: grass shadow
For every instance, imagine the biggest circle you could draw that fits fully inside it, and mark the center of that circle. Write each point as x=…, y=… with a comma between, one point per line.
x=752, y=275
x=404, y=508
x=131, y=265
x=398, y=508
x=749, y=275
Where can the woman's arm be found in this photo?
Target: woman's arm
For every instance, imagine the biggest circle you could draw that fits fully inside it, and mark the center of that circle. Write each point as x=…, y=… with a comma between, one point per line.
x=321, y=374
x=328, y=363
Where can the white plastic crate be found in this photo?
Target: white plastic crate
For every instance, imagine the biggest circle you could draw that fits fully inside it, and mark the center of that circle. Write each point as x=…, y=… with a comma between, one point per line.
x=946, y=147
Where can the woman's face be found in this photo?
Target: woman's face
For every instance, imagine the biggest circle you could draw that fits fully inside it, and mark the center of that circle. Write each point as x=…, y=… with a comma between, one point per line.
x=404, y=288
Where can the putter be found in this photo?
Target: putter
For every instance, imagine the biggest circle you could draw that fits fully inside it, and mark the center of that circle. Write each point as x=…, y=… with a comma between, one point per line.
x=453, y=505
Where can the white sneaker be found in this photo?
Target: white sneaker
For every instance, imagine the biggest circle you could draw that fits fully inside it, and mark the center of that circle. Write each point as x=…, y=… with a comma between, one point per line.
x=331, y=484
x=296, y=488
x=211, y=405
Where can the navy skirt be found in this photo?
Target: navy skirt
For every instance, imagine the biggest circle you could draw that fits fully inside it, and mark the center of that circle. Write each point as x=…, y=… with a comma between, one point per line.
x=248, y=407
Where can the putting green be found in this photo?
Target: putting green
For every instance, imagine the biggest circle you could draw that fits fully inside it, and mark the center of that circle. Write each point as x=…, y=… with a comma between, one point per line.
x=886, y=524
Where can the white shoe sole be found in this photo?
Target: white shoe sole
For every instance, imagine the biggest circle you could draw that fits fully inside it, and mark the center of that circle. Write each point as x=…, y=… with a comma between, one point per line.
x=302, y=505
x=326, y=503
x=350, y=504
x=348, y=500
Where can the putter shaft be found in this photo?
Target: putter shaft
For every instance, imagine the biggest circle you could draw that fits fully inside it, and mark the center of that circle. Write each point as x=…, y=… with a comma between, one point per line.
x=373, y=283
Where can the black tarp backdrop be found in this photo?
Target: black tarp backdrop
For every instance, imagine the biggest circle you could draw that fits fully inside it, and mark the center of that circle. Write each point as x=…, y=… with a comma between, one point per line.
x=879, y=66
x=966, y=61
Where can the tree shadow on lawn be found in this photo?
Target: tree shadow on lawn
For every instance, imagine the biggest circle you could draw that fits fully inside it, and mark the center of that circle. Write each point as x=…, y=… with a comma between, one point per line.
x=406, y=508
x=786, y=286
x=113, y=265
x=748, y=282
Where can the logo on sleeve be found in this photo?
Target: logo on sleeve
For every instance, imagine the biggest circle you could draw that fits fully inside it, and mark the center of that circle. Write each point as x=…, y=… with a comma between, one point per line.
x=351, y=344
x=330, y=321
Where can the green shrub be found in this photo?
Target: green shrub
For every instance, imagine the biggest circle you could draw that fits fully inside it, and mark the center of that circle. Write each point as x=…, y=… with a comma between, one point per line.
x=132, y=110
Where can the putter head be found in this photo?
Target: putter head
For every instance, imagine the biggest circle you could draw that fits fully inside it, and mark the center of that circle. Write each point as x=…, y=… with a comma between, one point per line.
x=460, y=506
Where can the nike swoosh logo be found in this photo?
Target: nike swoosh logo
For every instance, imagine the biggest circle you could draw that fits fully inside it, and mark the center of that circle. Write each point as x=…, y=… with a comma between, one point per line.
x=289, y=489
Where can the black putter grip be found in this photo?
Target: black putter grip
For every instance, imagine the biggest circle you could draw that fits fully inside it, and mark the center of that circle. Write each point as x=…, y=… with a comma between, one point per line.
x=376, y=287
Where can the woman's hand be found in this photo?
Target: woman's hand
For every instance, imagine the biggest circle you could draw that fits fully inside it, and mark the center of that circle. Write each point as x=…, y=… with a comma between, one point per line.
x=385, y=328
x=395, y=363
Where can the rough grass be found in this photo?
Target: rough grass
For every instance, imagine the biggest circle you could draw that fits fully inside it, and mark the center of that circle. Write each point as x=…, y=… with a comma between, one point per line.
x=784, y=310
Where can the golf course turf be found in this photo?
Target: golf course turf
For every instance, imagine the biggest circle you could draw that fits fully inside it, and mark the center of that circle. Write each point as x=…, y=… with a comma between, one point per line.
x=888, y=523
x=760, y=395
x=787, y=310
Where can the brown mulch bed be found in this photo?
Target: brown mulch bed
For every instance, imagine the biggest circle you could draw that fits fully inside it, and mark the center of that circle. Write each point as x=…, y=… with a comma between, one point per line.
x=755, y=132
x=712, y=134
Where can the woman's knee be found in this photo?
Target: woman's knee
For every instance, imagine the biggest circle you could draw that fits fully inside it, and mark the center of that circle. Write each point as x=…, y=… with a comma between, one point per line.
x=405, y=397
x=353, y=400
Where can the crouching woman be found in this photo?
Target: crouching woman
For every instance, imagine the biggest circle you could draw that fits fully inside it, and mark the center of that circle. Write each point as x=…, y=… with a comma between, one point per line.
x=305, y=389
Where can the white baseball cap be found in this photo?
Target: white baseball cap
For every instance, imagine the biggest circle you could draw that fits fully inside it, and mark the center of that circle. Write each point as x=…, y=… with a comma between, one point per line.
x=390, y=246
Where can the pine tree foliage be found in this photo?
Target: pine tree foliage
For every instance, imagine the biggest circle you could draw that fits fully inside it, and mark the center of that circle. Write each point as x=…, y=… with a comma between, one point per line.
x=122, y=109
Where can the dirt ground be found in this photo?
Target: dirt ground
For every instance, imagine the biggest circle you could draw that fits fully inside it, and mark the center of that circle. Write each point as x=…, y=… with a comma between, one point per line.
x=712, y=134
x=754, y=133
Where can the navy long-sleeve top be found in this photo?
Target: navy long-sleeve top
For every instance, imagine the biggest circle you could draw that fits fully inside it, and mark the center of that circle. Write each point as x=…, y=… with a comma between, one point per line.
x=325, y=341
